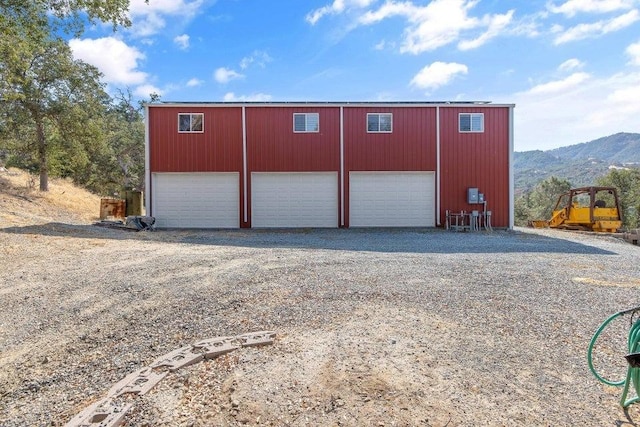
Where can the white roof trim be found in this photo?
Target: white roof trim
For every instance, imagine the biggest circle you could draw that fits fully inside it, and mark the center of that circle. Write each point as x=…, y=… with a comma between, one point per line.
x=479, y=104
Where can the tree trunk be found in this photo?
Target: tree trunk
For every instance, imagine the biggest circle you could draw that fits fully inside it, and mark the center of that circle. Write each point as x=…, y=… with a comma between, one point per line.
x=42, y=156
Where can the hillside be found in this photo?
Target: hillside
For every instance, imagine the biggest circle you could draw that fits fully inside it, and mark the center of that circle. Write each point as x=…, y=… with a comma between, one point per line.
x=621, y=148
x=22, y=204
x=581, y=164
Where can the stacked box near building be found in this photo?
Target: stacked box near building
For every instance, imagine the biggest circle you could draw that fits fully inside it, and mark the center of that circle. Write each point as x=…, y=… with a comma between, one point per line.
x=228, y=165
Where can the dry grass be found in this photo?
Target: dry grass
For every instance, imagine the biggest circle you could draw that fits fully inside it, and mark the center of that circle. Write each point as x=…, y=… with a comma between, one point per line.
x=596, y=282
x=21, y=202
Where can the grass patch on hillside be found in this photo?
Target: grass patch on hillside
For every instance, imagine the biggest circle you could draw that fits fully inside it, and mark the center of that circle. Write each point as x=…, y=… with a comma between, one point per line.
x=22, y=203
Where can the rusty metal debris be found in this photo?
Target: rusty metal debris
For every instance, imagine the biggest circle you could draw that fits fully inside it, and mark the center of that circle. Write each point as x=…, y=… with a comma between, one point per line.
x=112, y=208
x=110, y=413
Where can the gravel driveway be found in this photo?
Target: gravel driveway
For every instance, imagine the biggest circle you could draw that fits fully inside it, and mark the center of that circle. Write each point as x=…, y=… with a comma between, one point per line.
x=374, y=327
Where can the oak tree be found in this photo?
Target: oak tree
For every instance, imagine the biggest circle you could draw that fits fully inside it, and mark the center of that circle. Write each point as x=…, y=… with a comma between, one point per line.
x=50, y=104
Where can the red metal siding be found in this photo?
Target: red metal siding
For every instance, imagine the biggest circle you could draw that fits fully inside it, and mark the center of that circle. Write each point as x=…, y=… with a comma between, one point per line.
x=467, y=159
x=272, y=146
x=411, y=146
x=475, y=160
x=217, y=149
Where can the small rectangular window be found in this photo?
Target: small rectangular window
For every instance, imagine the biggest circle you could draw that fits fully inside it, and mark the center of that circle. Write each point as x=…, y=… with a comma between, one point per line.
x=306, y=122
x=379, y=122
x=471, y=122
x=191, y=122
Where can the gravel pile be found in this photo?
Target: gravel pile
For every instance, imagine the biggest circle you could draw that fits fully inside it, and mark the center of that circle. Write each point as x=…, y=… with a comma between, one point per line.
x=375, y=327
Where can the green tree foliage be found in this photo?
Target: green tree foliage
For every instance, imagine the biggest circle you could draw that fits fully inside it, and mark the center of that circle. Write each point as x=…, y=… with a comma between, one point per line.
x=54, y=114
x=545, y=195
x=127, y=141
x=539, y=202
x=627, y=182
x=120, y=164
x=114, y=11
x=522, y=210
x=69, y=14
x=56, y=98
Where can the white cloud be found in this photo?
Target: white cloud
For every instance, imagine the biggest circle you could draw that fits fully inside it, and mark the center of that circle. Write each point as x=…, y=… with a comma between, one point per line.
x=570, y=64
x=558, y=86
x=380, y=46
x=194, y=82
x=599, y=28
x=338, y=6
x=433, y=25
x=388, y=10
x=149, y=19
x=633, y=51
x=149, y=25
x=528, y=25
x=626, y=98
x=496, y=26
x=438, y=74
x=144, y=91
x=439, y=23
x=256, y=97
x=225, y=75
x=430, y=27
x=258, y=57
x=115, y=59
x=574, y=113
x=572, y=7
x=182, y=41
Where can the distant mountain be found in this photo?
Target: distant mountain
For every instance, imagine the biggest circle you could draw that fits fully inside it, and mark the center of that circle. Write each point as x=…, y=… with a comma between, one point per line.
x=620, y=148
x=580, y=164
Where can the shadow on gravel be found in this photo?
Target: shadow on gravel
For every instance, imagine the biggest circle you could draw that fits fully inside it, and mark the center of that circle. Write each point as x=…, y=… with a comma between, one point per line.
x=629, y=422
x=409, y=240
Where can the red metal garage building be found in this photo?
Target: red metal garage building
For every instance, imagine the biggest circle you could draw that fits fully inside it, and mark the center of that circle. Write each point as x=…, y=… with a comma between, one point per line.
x=362, y=164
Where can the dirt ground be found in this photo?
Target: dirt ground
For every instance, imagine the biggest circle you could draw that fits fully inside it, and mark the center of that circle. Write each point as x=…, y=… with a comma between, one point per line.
x=374, y=327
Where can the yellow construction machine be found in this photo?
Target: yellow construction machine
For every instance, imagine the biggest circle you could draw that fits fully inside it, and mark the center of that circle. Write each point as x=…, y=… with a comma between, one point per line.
x=587, y=209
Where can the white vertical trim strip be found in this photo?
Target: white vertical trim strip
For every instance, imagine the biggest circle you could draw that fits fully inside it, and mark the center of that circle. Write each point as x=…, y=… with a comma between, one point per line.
x=511, y=178
x=244, y=163
x=342, y=166
x=147, y=164
x=438, y=223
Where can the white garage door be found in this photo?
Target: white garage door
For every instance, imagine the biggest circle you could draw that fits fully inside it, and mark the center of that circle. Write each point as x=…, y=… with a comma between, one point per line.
x=196, y=200
x=392, y=199
x=291, y=199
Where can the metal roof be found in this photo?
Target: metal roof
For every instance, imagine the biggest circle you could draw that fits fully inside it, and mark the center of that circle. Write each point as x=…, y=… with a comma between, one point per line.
x=328, y=103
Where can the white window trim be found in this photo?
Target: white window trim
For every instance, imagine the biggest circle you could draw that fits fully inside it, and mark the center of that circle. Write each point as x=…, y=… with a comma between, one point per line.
x=190, y=118
x=471, y=122
x=379, y=131
x=306, y=129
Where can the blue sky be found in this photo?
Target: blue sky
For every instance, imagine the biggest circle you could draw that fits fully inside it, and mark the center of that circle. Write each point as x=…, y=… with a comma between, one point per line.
x=572, y=67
